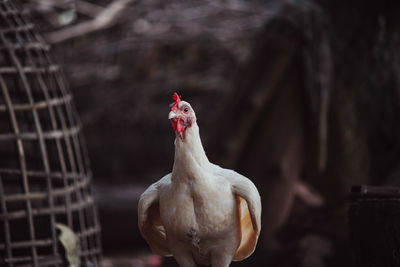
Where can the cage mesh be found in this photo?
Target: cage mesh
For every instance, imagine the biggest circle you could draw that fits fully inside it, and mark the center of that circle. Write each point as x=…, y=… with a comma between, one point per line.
x=44, y=174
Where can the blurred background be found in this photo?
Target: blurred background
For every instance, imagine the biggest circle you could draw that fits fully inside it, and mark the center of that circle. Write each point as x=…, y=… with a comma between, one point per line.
x=302, y=97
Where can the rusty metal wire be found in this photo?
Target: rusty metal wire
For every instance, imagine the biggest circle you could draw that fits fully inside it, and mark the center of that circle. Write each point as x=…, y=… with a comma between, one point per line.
x=44, y=173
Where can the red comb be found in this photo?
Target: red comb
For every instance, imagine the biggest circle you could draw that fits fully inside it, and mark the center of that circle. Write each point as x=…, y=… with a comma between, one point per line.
x=177, y=99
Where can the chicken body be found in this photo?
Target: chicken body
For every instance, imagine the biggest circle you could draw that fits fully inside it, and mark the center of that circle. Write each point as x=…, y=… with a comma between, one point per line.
x=203, y=227
x=200, y=213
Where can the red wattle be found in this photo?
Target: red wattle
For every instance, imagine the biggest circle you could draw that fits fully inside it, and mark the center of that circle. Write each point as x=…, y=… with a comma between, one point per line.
x=178, y=125
x=173, y=123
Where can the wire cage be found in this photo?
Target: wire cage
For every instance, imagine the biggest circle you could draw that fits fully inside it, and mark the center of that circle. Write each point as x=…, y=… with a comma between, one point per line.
x=45, y=180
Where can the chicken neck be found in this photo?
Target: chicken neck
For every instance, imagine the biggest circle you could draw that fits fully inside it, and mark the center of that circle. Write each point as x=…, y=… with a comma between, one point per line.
x=190, y=157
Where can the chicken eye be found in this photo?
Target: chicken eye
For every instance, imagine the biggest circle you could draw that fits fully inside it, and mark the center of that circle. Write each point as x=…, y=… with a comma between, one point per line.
x=186, y=109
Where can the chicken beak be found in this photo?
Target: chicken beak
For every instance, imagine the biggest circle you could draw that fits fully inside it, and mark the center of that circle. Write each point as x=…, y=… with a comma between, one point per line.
x=172, y=115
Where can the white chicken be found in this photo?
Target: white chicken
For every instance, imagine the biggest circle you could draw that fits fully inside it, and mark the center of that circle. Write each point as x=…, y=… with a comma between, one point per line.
x=200, y=213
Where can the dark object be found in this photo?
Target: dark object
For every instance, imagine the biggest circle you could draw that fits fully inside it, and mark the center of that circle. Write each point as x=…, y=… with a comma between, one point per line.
x=375, y=226
x=44, y=174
